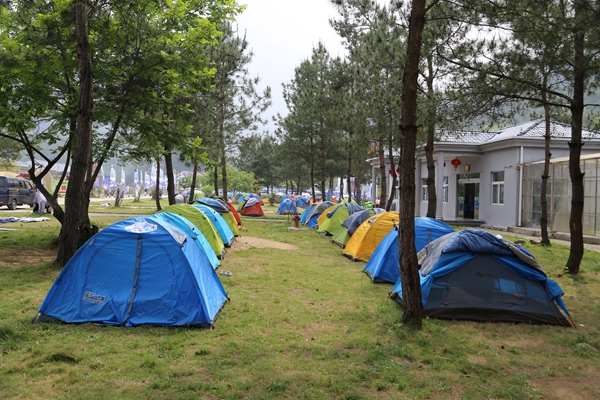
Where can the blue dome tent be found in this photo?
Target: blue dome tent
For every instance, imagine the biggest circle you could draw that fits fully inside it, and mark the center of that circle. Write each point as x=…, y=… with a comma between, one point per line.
x=287, y=207
x=383, y=264
x=474, y=275
x=315, y=213
x=212, y=203
x=192, y=230
x=219, y=223
x=307, y=213
x=134, y=272
x=301, y=202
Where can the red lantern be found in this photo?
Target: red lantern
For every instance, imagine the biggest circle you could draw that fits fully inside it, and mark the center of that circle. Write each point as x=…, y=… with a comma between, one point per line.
x=456, y=162
x=390, y=172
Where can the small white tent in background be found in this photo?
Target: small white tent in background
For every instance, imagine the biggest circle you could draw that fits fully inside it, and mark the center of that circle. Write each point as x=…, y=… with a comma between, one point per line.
x=113, y=177
x=123, y=176
x=153, y=175
x=147, y=180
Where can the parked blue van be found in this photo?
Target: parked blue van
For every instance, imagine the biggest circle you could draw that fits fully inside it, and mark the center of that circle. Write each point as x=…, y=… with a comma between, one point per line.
x=16, y=192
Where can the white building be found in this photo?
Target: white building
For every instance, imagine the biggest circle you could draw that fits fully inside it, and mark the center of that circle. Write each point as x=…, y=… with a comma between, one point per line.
x=482, y=175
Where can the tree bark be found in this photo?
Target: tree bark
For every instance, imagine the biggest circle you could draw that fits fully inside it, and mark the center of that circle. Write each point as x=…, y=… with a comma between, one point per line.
x=357, y=187
x=157, y=186
x=193, y=185
x=216, y=179
x=350, y=149
x=411, y=286
x=312, y=181
x=223, y=165
x=323, y=169
x=577, y=106
x=383, y=176
x=390, y=200
x=431, y=189
x=545, y=176
x=170, y=175
x=76, y=228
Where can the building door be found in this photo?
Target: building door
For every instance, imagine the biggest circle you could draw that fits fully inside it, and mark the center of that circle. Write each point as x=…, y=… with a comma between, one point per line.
x=469, y=200
x=468, y=196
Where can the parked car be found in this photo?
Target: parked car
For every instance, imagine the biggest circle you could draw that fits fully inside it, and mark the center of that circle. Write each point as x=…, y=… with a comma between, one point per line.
x=16, y=192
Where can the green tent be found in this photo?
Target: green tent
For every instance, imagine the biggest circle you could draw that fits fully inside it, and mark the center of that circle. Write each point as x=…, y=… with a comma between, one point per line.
x=334, y=219
x=231, y=222
x=197, y=217
x=349, y=225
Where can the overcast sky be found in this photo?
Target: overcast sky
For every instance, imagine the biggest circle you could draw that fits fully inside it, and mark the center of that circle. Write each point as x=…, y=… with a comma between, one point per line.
x=282, y=33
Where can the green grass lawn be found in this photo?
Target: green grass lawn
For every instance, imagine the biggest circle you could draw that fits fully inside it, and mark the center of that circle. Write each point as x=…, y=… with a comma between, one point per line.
x=301, y=324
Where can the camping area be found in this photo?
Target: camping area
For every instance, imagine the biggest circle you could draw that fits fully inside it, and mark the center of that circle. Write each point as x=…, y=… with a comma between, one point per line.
x=302, y=322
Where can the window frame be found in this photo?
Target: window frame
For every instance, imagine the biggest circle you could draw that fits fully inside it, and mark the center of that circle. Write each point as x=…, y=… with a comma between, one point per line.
x=497, y=195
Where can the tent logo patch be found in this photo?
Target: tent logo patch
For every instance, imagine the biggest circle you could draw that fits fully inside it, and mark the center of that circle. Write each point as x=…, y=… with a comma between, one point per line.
x=93, y=298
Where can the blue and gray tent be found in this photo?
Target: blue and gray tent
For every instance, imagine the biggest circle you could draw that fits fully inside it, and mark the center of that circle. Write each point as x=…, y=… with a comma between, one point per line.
x=212, y=203
x=314, y=213
x=474, y=275
x=287, y=207
x=383, y=265
x=134, y=272
x=304, y=216
x=301, y=202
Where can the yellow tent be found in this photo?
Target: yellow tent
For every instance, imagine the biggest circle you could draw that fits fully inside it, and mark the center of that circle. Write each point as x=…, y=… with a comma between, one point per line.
x=369, y=234
x=323, y=215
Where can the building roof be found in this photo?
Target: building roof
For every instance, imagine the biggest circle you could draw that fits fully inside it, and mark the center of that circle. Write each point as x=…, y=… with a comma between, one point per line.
x=533, y=129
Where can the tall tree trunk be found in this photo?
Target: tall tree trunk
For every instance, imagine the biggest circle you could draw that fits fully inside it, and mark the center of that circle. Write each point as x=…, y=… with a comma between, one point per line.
x=216, y=179
x=350, y=150
x=411, y=286
x=382, y=175
x=170, y=175
x=76, y=227
x=431, y=189
x=323, y=175
x=342, y=188
x=388, y=205
x=193, y=185
x=545, y=175
x=224, y=174
x=223, y=154
x=157, y=186
x=357, y=187
x=577, y=106
x=312, y=181
x=331, y=185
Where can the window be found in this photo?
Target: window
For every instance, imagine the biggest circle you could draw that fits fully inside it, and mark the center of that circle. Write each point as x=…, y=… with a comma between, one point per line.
x=445, y=190
x=425, y=197
x=498, y=187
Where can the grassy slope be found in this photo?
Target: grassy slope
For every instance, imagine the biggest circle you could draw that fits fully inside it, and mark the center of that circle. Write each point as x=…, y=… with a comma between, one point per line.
x=305, y=323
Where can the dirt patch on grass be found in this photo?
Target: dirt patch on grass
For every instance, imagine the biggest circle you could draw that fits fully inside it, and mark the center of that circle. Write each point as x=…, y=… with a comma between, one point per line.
x=247, y=242
x=19, y=256
x=570, y=388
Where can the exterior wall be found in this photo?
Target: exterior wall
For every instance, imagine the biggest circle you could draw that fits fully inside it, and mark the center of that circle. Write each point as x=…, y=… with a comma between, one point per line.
x=508, y=156
x=494, y=160
x=499, y=214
